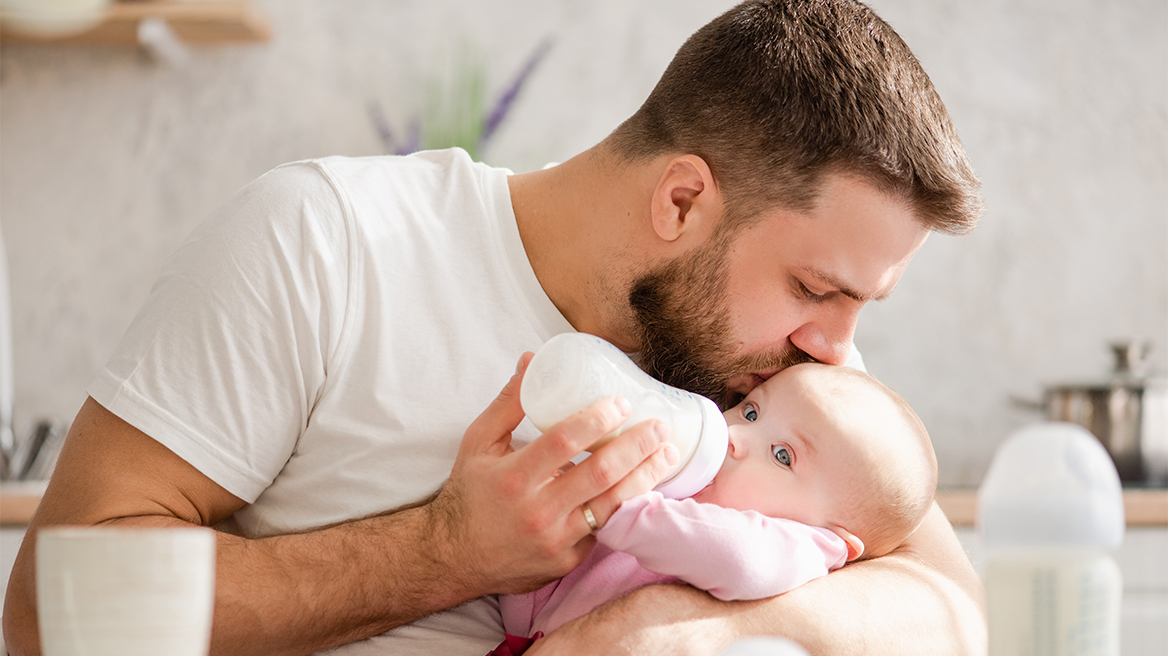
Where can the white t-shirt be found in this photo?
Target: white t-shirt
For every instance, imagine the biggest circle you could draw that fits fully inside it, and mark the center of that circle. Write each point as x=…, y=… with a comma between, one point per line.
x=319, y=346
x=293, y=349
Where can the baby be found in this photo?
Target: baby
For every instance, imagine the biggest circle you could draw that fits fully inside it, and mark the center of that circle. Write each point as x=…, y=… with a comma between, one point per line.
x=825, y=466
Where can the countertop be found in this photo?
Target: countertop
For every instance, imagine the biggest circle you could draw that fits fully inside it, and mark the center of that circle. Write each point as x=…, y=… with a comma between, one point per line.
x=19, y=500
x=1143, y=507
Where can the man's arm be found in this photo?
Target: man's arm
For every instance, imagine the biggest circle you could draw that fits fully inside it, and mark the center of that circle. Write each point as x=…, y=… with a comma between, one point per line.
x=297, y=594
x=922, y=599
x=109, y=473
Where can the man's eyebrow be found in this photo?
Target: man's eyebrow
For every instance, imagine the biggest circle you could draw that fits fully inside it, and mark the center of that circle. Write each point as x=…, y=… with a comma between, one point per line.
x=827, y=279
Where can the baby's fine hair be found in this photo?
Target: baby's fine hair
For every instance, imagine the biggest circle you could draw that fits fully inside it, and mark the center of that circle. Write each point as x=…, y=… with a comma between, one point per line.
x=892, y=496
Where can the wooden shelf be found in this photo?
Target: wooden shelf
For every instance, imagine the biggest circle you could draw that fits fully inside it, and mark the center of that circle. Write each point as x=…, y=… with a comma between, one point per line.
x=1140, y=507
x=193, y=21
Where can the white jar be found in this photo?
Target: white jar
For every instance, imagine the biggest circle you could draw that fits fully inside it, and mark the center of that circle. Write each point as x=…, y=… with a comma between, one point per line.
x=574, y=370
x=1050, y=512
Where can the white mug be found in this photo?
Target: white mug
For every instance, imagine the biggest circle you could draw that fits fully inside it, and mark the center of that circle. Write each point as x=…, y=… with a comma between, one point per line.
x=103, y=591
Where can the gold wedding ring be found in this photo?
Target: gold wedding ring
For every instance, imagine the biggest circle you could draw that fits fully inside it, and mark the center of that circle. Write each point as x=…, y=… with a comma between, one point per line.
x=589, y=517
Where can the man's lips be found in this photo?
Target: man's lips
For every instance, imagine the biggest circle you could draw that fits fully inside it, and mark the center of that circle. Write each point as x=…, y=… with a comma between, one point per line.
x=744, y=383
x=765, y=376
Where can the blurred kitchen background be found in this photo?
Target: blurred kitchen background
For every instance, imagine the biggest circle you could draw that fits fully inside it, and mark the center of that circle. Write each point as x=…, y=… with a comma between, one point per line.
x=111, y=154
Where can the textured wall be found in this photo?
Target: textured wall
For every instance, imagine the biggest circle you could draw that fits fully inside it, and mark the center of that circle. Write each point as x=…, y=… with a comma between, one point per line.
x=1063, y=107
x=108, y=159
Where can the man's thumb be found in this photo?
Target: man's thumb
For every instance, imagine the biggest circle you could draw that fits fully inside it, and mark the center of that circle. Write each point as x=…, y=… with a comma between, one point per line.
x=491, y=431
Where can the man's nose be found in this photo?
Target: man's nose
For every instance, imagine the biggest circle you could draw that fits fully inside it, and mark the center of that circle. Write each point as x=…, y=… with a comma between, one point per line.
x=828, y=339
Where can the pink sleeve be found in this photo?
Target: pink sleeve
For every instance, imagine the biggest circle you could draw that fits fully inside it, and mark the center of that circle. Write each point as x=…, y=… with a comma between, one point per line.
x=733, y=554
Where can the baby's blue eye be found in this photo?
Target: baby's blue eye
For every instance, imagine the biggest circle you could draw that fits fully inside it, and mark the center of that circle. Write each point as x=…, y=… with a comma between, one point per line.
x=782, y=454
x=750, y=414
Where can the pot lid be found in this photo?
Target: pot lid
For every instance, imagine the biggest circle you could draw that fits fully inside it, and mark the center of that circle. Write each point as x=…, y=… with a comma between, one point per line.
x=1131, y=369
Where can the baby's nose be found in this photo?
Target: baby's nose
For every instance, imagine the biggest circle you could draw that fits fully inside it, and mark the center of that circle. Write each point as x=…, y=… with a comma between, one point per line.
x=737, y=446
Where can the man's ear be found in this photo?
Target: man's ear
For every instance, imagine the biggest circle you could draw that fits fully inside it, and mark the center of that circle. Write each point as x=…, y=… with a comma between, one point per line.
x=685, y=198
x=855, y=544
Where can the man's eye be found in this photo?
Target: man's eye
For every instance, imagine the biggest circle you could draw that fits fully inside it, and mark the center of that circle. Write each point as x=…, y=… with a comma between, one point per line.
x=782, y=454
x=750, y=414
x=808, y=294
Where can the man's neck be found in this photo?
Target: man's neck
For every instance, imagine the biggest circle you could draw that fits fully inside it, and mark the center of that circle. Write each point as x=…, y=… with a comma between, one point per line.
x=582, y=224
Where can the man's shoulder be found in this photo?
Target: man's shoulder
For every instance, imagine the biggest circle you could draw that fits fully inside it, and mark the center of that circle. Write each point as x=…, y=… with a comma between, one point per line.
x=439, y=164
x=432, y=178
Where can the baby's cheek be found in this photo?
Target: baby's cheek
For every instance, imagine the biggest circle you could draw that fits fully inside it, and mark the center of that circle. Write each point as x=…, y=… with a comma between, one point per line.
x=706, y=495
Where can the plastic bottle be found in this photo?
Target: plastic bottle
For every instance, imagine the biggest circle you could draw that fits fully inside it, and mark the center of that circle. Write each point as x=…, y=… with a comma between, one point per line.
x=574, y=370
x=1050, y=511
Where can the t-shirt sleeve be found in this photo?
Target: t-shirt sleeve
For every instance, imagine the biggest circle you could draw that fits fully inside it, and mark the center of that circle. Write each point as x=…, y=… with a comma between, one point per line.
x=227, y=357
x=733, y=554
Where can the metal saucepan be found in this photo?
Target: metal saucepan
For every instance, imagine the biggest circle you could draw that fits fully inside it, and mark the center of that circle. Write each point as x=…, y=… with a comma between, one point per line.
x=1128, y=412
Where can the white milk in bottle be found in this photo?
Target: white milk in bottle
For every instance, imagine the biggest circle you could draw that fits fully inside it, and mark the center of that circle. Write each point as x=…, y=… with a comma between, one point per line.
x=1050, y=512
x=574, y=370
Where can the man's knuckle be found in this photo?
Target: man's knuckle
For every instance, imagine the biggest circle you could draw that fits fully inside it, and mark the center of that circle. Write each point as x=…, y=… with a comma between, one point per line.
x=604, y=471
x=565, y=561
x=551, y=548
x=647, y=440
x=512, y=487
x=531, y=525
x=660, y=463
x=562, y=441
x=599, y=419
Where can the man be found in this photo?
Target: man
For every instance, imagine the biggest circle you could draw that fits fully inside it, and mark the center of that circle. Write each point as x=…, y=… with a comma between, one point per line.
x=305, y=372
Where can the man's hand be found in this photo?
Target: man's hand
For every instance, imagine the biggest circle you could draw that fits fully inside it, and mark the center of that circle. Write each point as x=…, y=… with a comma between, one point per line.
x=509, y=521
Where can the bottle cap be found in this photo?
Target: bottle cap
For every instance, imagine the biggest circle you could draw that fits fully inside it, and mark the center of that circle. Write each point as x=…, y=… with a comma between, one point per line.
x=707, y=457
x=1051, y=483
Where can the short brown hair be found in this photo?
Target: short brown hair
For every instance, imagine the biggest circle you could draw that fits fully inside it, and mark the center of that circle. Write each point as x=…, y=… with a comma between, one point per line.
x=775, y=93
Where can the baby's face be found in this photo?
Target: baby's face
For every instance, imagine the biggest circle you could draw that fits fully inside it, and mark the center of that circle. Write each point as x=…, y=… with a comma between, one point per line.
x=789, y=451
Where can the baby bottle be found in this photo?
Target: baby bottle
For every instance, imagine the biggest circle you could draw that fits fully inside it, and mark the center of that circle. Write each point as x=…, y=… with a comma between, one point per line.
x=574, y=370
x=1050, y=510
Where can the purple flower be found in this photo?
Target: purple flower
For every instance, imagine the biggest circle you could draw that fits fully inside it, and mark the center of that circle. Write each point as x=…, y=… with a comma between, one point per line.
x=486, y=128
x=413, y=139
x=503, y=105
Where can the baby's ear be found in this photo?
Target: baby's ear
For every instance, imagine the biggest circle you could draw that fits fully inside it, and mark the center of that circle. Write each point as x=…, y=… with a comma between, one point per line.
x=855, y=544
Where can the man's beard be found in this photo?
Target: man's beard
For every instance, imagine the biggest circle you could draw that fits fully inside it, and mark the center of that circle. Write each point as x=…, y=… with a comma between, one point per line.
x=686, y=338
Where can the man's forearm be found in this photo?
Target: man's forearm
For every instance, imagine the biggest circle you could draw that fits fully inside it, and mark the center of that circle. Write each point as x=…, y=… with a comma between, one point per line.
x=887, y=607
x=301, y=593
x=346, y=583
x=290, y=594
x=923, y=599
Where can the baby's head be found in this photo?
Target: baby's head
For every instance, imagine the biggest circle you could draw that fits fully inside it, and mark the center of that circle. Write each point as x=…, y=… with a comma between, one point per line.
x=833, y=447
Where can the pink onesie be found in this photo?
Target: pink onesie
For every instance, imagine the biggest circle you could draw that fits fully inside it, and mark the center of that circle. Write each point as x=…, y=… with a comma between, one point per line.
x=733, y=554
